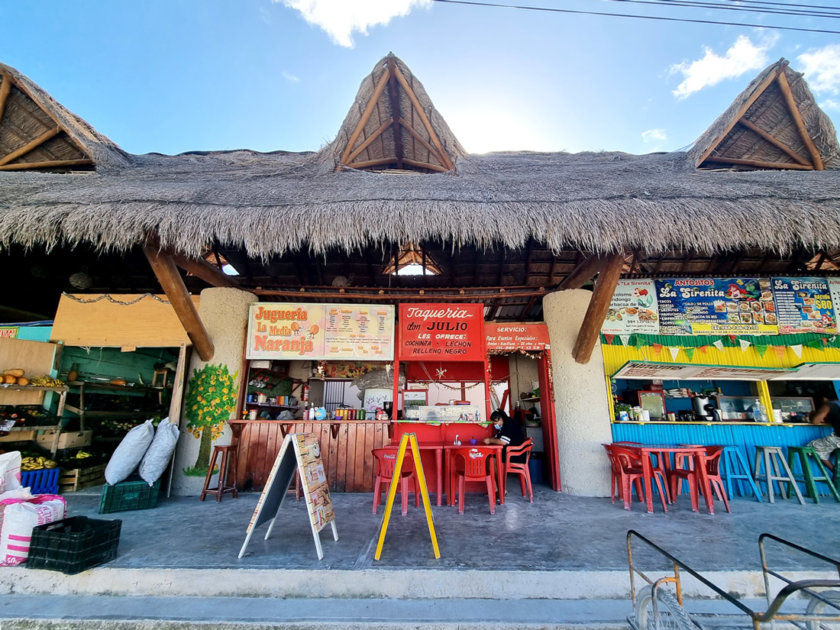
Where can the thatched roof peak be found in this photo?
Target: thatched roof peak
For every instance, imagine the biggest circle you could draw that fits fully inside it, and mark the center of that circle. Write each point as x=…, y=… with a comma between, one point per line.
x=37, y=132
x=775, y=123
x=393, y=124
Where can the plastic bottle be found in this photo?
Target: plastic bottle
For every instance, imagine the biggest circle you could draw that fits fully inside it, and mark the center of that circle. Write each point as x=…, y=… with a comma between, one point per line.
x=758, y=412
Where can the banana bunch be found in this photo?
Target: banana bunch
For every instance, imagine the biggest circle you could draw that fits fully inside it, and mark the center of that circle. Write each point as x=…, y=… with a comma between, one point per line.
x=36, y=463
x=46, y=381
x=82, y=455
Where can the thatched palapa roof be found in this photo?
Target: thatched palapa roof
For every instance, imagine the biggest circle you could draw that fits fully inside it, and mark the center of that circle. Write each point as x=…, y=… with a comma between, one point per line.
x=276, y=203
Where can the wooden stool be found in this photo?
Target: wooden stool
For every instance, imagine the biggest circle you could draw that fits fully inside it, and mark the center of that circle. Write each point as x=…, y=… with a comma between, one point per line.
x=736, y=469
x=164, y=376
x=228, y=458
x=804, y=454
x=773, y=457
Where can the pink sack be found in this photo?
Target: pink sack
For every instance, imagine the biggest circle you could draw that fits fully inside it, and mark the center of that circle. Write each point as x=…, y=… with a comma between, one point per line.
x=19, y=517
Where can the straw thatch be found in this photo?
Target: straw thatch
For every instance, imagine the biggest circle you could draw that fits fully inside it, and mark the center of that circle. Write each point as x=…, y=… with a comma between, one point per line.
x=277, y=203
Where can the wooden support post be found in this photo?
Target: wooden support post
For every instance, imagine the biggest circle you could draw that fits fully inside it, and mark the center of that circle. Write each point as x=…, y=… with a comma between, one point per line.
x=173, y=285
x=199, y=267
x=583, y=273
x=590, y=329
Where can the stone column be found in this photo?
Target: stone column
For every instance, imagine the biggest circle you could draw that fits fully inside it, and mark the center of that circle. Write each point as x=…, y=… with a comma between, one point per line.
x=580, y=397
x=224, y=312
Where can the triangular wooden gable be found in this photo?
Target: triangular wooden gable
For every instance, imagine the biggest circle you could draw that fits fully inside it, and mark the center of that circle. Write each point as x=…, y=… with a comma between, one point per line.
x=30, y=137
x=767, y=131
x=394, y=131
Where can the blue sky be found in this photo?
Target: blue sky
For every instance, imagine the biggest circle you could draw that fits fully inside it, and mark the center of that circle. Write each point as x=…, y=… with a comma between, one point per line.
x=177, y=75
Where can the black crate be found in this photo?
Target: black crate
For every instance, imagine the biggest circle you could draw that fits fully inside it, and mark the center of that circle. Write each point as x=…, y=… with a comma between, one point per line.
x=128, y=495
x=73, y=544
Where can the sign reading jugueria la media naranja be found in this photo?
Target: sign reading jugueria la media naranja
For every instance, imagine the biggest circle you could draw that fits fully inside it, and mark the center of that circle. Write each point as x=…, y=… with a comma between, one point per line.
x=289, y=331
x=445, y=332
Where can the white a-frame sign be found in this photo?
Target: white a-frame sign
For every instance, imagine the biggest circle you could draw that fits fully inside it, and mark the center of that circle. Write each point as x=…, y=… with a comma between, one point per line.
x=300, y=451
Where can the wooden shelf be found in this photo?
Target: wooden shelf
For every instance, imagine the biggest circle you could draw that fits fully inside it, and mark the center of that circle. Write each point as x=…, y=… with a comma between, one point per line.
x=529, y=400
x=110, y=414
x=272, y=405
x=123, y=389
x=33, y=388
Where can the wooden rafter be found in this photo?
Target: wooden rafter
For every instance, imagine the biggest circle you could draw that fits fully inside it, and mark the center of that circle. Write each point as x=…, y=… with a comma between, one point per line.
x=590, y=328
x=380, y=86
x=48, y=164
x=743, y=110
x=394, y=97
x=29, y=146
x=426, y=165
x=199, y=267
x=364, y=145
x=772, y=140
x=5, y=90
x=583, y=273
x=800, y=124
x=423, y=118
x=760, y=163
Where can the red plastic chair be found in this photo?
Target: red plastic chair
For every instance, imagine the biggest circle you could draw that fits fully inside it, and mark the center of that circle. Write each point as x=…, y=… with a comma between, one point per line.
x=471, y=464
x=519, y=468
x=386, y=460
x=630, y=472
x=712, y=463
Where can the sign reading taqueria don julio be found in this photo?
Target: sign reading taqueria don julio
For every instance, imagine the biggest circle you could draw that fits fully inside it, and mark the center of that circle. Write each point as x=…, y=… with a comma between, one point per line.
x=709, y=306
x=445, y=332
x=320, y=331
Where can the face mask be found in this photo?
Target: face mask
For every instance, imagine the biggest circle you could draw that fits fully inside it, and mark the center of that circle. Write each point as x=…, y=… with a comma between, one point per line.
x=498, y=426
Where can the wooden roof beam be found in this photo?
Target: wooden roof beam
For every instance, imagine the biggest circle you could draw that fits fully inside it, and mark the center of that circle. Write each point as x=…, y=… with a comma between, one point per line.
x=5, y=90
x=29, y=146
x=816, y=158
x=200, y=268
x=590, y=328
x=369, y=140
x=173, y=286
x=377, y=92
x=761, y=163
x=421, y=140
x=583, y=273
x=22, y=166
x=776, y=143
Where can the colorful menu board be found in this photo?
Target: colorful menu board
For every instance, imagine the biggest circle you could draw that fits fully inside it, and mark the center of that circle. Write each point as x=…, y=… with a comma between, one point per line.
x=724, y=306
x=446, y=332
x=804, y=305
x=633, y=309
x=708, y=306
x=321, y=331
x=314, y=480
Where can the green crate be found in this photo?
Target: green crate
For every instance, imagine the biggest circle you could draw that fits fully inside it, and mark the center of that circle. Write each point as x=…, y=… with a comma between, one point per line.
x=73, y=544
x=129, y=495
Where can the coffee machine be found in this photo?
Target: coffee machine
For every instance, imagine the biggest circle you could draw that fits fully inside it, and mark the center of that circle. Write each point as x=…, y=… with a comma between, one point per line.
x=704, y=409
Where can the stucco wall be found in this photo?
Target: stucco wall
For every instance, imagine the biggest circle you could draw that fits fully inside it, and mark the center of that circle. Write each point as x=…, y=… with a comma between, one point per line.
x=580, y=394
x=225, y=315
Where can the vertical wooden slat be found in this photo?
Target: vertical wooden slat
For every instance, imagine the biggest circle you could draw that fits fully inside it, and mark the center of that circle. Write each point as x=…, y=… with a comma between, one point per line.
x=332, y=475
x=368, y=473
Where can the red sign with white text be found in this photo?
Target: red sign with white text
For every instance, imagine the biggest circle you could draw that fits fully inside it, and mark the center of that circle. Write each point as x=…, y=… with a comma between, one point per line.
x=510, y=337
x=445, y=332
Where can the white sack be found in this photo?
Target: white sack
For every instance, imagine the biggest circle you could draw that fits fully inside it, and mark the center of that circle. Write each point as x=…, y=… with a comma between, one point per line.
x=18, y=520
x=10, y=471
x=160, y=451
x=129, y=453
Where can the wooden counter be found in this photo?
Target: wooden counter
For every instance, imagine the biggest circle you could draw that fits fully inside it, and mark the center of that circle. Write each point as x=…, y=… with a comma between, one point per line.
x=345, y=450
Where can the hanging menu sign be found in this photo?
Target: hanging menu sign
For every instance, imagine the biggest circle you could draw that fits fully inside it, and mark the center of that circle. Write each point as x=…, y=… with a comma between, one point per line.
x=704, y=306
x=510, y=337
x=633, y=309
x=320, y=331
x=446, y=332
x=804, y=305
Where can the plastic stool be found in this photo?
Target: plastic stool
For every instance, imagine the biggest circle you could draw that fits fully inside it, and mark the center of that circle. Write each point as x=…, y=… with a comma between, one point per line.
x=735, y=468
x=803, y=454
x=228, y=458
x=772, y=456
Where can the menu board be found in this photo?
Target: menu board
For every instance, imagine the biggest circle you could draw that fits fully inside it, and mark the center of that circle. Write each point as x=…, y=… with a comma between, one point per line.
x=703, y=306
x=320, y=331
x=804, y=305
x=446, y=332
x=633, y=309
x=314, y=480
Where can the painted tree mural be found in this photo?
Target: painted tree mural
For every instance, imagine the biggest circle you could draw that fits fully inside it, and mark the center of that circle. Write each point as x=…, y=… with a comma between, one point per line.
x=211, y=397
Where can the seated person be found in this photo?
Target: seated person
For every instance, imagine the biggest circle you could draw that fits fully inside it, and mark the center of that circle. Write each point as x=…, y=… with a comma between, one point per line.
x=828, y=412
x=508, y=432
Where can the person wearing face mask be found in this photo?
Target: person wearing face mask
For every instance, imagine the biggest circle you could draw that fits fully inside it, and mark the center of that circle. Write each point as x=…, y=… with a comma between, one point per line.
x=507, y=432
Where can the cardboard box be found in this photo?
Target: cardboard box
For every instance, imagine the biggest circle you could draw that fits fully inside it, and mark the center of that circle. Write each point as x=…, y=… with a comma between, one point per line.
x=67, y=439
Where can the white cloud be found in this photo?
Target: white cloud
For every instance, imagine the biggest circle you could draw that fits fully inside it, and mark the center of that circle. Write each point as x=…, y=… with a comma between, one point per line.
x=830, y=104
x=743, y=56
x=291, y=78
x=654, y=135
x=822, y=68
x=340, y=18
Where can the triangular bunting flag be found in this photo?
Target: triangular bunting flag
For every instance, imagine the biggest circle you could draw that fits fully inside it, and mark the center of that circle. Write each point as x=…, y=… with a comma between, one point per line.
x=657, y=347
x=718, y=344
x=609, y=338
x=703, y=349
x=761, y=350
x=689, y=352
x=744, y=344
x=797, y=350
x=625, y=339
x=674, y=352
x=780, y=351
x=732, y=338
